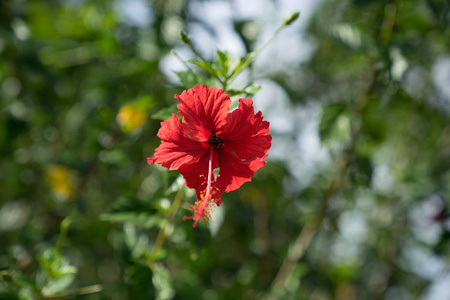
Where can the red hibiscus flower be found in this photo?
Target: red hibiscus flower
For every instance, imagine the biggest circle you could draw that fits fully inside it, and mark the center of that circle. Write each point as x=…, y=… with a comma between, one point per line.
x=209, y=137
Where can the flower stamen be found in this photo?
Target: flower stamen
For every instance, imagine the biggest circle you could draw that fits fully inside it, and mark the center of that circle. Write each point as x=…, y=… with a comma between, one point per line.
x=205, y=205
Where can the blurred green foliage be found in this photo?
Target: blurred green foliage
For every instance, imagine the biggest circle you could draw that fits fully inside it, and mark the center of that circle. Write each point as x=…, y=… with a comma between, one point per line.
x=82, y=214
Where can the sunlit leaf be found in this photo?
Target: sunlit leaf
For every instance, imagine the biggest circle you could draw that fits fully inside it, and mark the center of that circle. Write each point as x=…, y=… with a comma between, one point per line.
x=207, y=66
x=248, y=91
x=57, y=285
x=226, y=62
x=162, y=282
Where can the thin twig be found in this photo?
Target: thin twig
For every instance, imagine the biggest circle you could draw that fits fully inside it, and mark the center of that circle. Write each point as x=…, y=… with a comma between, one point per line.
x=301, y=244
x=86, y=290
x=161, y=237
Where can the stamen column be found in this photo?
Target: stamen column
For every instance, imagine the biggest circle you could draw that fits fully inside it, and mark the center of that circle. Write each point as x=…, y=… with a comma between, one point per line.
x=201, y=210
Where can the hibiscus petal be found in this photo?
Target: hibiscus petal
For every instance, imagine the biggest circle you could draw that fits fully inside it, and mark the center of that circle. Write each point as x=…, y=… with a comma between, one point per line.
x=204, y=110
x=176, y=148
x=245, y=133
x=234, y=171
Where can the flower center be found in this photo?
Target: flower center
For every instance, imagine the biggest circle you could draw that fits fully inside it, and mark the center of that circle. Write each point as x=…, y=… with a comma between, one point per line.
x=215, y=140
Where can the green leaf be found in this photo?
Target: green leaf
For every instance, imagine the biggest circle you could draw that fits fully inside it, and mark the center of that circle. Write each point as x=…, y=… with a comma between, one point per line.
x=189, y=79
x=362, y=2
x=165, y=113
x=226, y=62
x=205, y=65
x=348, y=34
x=362, y=171
x=162, y=282
x=133, y=210
x=4, y=275
x=22, y=281
x=56, y=273
x=252, y=89
x=145, y=102
x=132, y=204
x=374, y=125
x=55, y=265
x=223, y=62
x=138, y=282
x=244, y=63
x=328, y=121
x=155, y=255
x=141, y=219
x=137, y=243
x=248, y=91
x=57, y=285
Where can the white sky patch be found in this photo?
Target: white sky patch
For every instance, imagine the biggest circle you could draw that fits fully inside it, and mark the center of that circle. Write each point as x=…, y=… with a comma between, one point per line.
x=422, y=221
x=171, y=63
x=276, y=107
x=382, y=179
x=308, y=140
x=423, y=262
x=439, y=290
x=294, y=130
x=441, y=76
x=289, y=47
x=352, y=226
x=250, y=9
x=343, y=249
x=135, y=12
x=218, y=16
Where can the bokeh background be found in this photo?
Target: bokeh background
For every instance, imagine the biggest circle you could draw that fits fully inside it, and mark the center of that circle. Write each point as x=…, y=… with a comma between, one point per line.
x=353, y=203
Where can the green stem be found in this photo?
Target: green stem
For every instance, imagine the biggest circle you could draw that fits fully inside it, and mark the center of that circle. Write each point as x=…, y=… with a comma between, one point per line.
x=187, y=41
x=65, y=224
x=182, y=61
x=161, y=237
x=249, y=58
